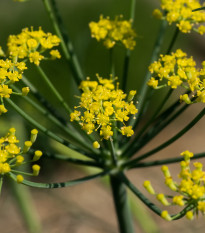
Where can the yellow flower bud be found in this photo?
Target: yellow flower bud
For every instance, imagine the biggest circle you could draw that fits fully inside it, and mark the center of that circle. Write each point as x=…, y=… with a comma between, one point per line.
x=165, y=215
x=19, y=179
x=189, y=215
x=37, y=155
x=96, y=145
x=27, y=145
x=149, y=187
x=162, y=199
x=34, y=133
x=19, y=160
x=36, y=169
x=25, y=91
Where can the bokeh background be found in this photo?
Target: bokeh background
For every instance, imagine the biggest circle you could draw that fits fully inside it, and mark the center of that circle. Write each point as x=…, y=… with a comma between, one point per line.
x=88, y=208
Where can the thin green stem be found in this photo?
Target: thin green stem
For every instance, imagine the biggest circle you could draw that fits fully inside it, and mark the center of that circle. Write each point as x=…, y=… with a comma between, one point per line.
x=72, y=160
x=112, y=65
x=170, y=141
x=67, y=47
x=52, y=135
x=122, y=207
x=146, y=126
x=164, y=161
x=43, y=101
x=160, y=123
x=149, y=204
x=61, y=184
x=128, y=52
x=75, y=138
x=62, y=101
x=174, y=38
x=53, y=89
x=143, y=90
x=145, y=200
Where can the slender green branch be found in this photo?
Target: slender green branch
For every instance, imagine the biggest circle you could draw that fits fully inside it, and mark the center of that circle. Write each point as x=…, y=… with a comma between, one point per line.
x=145, y=200
x=160, y=123
x=143, y=90
x=72, y=160
x=122, y=207
x=53, y=89
x=43, y=101
x=62, y=101
x=149, y=204
x=71, y=134
x=171, y=140
x=67, y=47
x=198, y=9
x=164, y=161
x=135, y=139
x=61, y=184
x=112, y=64
x=182, y=213
x=128, y=52
x=176, y=33
x=49, y=133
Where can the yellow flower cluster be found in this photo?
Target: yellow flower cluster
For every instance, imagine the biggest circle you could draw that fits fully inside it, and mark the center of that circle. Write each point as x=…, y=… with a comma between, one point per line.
x=103, y=105
x=191, y=188
x=179, y=70
x=32, y=44
x=12, y=156
x=181, y=13
x=10, y=73
x=113, y=31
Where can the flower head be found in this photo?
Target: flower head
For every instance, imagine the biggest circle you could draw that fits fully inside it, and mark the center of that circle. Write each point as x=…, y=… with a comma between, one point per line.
x=177, y=70
x=10, y=72
x=181, y=13
x=190, y=189
x=32, y=44
x=12, y=156
x=101, y=105
x=113, y=31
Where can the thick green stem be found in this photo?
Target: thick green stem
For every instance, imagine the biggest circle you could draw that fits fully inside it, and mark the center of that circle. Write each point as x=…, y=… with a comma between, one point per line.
x=122, y=208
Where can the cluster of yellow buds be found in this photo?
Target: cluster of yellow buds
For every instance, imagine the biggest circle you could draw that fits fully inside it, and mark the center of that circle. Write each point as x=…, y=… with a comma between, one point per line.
x=113, y=31
x=10, y=73
x=179, y=70
x=32, y=44
x=12, y=156
x=103, y=105
x=181, y=12
x=191, y=188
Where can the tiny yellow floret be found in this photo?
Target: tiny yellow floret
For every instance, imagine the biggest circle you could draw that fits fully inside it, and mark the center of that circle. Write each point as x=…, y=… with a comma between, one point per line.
x=19, y=179
x=96, y=145
x=36, y=169
x=37, y=155
x=165, y=215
